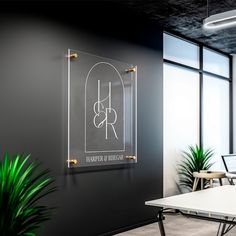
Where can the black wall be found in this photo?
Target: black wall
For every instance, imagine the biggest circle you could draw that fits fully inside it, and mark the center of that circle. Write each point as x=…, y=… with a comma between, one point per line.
x=33, y=43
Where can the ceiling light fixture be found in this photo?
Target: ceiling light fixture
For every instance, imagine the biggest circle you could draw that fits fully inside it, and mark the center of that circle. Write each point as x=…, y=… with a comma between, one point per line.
x=220, y=20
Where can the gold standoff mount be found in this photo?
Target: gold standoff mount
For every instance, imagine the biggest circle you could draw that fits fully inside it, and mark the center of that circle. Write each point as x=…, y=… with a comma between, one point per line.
x=130, y=157
x=131, y=69
x=73, y=55
x=72, y=161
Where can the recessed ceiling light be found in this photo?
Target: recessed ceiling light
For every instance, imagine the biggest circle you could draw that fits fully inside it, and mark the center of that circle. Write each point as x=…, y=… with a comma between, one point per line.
x=221, y=20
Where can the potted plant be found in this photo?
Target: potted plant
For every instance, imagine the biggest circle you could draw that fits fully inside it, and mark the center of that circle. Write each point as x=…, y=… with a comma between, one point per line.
x=194, y=160
x=22, y=185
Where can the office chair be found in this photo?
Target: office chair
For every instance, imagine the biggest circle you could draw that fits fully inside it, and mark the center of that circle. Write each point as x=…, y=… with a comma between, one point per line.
x=229, y=161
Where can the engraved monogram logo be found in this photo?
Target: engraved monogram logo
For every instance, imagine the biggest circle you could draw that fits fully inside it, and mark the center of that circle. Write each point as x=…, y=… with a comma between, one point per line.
x=105, y=115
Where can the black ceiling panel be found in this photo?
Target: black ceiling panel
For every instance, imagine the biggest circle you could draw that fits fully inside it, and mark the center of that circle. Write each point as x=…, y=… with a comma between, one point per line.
x=185, y=17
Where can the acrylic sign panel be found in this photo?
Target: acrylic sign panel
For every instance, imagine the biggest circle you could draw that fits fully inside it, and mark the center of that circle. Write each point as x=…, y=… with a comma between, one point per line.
x=102, y=107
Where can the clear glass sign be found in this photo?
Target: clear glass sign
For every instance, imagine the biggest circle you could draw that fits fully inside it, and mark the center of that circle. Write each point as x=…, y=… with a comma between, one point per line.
x=102, y=106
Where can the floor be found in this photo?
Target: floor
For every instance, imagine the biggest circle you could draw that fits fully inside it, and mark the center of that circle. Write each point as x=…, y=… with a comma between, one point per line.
x=179, y=226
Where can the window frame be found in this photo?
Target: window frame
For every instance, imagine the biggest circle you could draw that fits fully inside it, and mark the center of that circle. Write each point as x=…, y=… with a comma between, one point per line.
x=202, y=72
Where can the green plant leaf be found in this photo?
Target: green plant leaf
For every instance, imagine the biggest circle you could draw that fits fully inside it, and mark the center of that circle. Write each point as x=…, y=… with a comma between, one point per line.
x=22, y=185
x=194, y=160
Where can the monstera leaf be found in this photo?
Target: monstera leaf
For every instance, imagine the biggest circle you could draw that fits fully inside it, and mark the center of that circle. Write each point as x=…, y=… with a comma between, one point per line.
x=22, y=185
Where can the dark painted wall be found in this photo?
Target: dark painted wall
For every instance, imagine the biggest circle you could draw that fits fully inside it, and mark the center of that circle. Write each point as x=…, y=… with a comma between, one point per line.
x=33, y=43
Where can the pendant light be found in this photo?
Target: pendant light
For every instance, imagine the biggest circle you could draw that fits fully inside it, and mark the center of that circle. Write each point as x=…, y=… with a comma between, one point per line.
x=220, y=20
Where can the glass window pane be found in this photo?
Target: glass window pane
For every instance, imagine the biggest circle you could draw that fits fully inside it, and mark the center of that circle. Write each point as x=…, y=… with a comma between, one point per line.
x=216, y=117
x=181, y=119
x=181, y=51
x=215, y=62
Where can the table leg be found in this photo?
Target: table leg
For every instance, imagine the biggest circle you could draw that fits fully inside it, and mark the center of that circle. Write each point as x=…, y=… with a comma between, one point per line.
x=221, y=229
x=160, y=219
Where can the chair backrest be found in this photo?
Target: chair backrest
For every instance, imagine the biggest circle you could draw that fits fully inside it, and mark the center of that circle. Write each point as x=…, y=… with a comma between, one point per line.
x=229, y=162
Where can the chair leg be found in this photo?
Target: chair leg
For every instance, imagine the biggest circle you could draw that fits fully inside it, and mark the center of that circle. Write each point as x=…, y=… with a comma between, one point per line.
x=211, y=183
x=195, y=183
x=202, y=184
x=232, y=182
x=220, y=180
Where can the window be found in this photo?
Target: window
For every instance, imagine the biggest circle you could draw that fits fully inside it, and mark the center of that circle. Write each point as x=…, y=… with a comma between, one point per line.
x=181, y=120
x=216, y=117
x=197, y=100
x=215, y=63
x=181, y=51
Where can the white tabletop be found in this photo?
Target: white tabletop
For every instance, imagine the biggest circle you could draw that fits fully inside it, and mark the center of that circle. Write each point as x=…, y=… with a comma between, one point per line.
x=219, y=201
